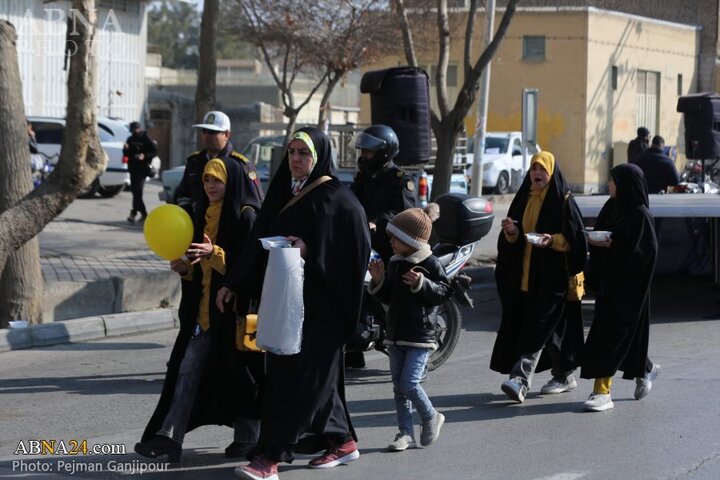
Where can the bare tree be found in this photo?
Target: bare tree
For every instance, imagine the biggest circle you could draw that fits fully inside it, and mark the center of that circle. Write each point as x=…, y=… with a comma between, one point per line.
x=24, y=213
x=448, y=123
x=322, y=40
x=207, y=65
x=345, y=36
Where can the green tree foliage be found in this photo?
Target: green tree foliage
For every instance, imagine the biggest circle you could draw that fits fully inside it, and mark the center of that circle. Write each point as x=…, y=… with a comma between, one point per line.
x=174, y=30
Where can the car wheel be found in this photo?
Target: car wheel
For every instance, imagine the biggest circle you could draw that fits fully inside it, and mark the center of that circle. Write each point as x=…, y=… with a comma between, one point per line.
x=111, y=191
x=503, y=183
x=91, y=190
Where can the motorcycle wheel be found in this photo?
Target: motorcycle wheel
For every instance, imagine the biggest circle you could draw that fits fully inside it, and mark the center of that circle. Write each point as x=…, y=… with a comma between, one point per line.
x=449, y=324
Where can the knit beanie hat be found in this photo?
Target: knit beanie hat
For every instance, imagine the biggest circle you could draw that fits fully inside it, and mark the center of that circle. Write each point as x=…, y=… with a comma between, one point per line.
x=413, y=226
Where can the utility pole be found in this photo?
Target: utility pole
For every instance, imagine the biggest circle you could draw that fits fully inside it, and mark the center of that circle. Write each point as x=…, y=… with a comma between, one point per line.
x=481, y=124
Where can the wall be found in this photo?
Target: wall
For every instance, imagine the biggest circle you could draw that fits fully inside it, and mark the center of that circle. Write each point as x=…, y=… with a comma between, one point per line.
x=633, y=43
x=122, y=40
x=560, y=79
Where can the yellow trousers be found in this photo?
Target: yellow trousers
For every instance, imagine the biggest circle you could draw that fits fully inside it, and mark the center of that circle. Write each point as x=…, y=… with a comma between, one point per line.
x=602, y=385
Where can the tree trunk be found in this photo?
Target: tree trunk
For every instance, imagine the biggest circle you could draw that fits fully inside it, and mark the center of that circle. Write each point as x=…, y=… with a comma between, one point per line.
x=207, y=67
x=81, y=160
x=324, y=113
x=21, y=280
x=446, y=135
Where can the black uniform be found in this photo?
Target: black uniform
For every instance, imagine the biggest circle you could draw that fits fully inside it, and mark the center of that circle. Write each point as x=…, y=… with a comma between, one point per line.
x=139, y=169
x=384, y=195
x=190, y=187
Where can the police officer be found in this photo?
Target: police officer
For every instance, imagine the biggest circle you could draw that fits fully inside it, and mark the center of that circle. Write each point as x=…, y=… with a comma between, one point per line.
x=382, y=188
x=139, y=149
x=215, y=130
x=384, y=191
x=215, y=134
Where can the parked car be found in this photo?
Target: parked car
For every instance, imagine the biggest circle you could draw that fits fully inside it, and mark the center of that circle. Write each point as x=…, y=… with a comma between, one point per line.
x=112, y=134
x=503, y=154
x=458, y=183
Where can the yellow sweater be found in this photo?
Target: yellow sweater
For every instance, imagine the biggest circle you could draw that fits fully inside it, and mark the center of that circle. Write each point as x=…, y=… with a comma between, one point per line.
x=529, y=220
x=216, y=261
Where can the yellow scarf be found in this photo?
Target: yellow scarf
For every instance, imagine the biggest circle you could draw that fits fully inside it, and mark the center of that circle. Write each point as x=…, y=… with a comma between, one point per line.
x=212, y=222
x=529, y=221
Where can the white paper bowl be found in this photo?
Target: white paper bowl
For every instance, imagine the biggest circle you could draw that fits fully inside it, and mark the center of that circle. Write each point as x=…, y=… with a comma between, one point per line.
x=534, y=238
x=599, y=235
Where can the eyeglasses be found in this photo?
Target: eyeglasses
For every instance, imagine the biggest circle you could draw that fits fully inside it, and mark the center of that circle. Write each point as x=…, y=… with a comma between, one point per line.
x=207, y=131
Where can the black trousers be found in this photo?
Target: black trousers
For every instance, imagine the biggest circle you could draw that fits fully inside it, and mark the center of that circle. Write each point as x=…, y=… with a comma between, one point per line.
x=137, y=183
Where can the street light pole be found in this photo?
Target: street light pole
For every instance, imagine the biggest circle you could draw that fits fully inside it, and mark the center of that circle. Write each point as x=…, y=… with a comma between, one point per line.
x=481, y=125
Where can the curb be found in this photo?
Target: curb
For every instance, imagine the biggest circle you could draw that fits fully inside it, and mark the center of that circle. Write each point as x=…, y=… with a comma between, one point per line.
x=88, y=328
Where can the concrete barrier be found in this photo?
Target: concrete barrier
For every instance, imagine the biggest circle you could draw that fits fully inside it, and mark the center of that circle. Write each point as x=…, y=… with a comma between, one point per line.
x=67, y=300
x=148, y=291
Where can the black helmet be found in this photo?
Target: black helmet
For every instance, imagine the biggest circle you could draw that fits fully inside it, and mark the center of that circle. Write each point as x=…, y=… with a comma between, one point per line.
x=380, y=139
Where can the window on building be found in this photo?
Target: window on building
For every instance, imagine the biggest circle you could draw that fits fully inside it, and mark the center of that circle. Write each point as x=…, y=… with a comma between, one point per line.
x=679, y=85
x=534, y=47
x=647, y=100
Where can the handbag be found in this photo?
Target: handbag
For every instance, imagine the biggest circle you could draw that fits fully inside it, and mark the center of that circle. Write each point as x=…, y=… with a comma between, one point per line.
x=246, y=333
x=576, y=283
x=576, y=287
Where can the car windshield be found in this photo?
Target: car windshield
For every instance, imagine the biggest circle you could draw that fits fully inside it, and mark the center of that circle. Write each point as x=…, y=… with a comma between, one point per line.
x=265, y=145
x=496, y=145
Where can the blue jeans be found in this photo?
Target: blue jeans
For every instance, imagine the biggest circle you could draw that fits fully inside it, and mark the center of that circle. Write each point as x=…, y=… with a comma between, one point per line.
x=406, y=367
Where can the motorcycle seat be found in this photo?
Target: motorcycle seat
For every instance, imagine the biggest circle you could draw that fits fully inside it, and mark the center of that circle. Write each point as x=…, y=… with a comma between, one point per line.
x=444, y=253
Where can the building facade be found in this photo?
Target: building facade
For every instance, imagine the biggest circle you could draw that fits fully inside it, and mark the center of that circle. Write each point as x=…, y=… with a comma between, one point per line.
x=600, y=75
x=43, y=54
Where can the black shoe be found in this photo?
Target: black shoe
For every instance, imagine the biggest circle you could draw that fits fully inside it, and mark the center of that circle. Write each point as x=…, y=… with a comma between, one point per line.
x=158, y=446
x=238, y=449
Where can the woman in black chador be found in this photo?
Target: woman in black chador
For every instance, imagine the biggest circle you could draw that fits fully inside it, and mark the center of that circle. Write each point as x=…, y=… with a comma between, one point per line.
x=304, y=407
x=208, y=382
x=541, y=246
x=623, y=269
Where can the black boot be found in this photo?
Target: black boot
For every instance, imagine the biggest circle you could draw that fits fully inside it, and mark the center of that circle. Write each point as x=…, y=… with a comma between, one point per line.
x=158, y=446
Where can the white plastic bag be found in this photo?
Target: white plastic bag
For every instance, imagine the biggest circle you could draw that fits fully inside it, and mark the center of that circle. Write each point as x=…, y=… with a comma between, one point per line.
x=281, y=314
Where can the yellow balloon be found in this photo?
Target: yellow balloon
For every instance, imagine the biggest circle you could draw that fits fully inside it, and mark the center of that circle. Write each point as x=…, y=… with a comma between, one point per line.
x=168, y=231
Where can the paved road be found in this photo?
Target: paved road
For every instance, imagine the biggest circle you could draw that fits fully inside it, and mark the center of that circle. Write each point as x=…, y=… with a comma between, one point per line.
x=105, y=391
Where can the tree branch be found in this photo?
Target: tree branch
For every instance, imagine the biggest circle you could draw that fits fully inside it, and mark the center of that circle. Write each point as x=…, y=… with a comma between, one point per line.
x=406, y=32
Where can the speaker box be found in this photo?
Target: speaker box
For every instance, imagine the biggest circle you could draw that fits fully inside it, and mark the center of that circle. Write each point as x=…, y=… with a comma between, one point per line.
x=400, y=99
x=701, y=113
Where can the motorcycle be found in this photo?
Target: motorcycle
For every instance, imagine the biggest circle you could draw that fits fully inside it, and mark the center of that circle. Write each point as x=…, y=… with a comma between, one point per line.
x=463, y=221
x=699, y=177
x=40, y=167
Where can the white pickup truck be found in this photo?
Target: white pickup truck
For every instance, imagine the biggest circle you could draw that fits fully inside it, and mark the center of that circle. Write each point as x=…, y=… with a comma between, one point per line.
x=503, y=154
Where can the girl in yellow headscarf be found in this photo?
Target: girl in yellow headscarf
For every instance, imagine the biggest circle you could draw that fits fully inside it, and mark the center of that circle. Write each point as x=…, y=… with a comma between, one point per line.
x=208, y=381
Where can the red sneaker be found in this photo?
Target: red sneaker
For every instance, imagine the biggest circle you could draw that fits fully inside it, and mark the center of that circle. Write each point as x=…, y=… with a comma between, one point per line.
x=338, y=455
x=259, y=469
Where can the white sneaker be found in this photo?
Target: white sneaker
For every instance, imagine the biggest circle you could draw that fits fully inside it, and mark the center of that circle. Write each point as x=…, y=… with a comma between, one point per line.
x=559, y=386
x=514, y=389
x=402, y=442
x=598, y=402
x=644, y=385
